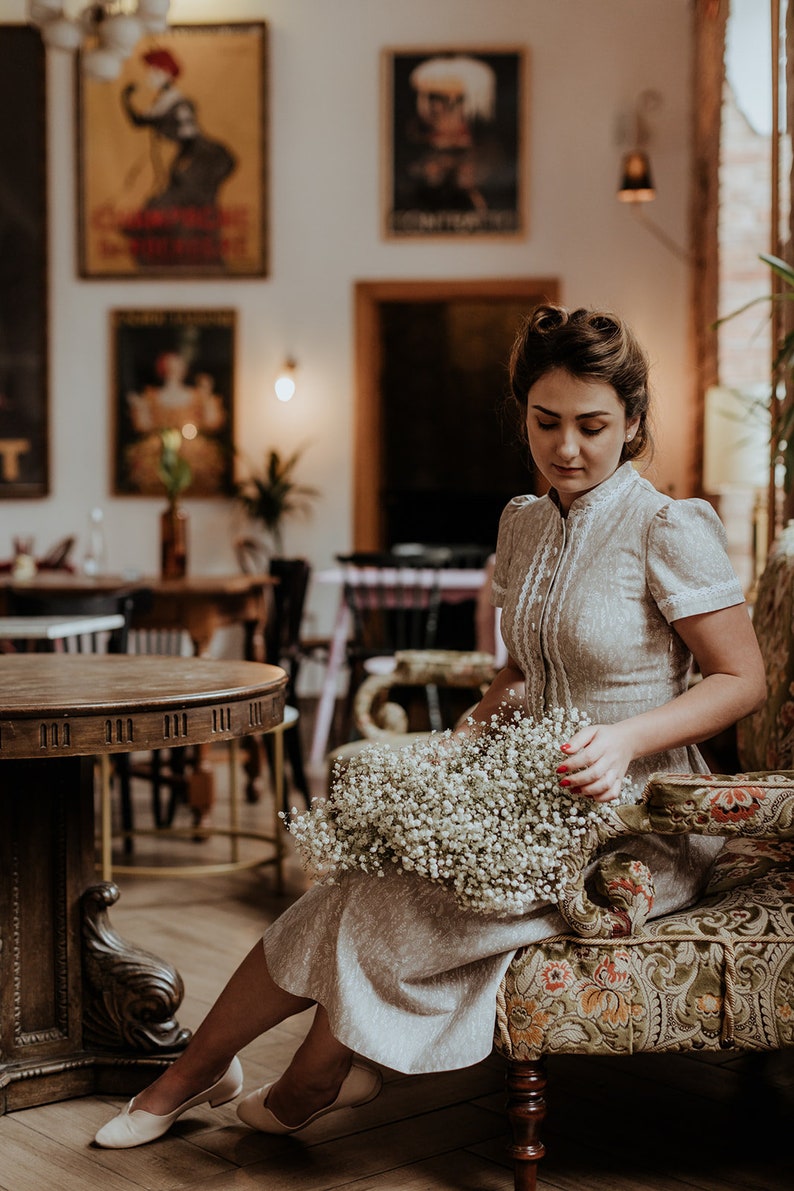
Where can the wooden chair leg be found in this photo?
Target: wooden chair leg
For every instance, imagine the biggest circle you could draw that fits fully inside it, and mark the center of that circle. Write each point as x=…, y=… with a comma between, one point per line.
x=526, y=1110
x=295, y=757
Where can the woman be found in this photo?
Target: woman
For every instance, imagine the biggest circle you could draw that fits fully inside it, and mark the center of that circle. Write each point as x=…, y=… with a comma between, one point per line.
x=180, y=223
x=608, y=588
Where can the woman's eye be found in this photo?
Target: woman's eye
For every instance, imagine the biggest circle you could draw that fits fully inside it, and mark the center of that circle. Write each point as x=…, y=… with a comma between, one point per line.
x=591, y=431
x=547, y=425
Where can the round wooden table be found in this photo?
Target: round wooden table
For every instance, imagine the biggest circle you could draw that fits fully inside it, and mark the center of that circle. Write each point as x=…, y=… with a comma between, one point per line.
x=81, y=1010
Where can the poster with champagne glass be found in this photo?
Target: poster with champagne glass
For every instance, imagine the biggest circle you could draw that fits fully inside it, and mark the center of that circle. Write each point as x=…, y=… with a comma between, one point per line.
x=172, y=158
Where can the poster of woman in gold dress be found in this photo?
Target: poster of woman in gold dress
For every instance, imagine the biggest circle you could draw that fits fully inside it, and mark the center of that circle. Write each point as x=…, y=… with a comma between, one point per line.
x=173, y=370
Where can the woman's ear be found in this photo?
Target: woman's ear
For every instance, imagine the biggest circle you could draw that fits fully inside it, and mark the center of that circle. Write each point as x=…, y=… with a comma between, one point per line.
x=631, y=427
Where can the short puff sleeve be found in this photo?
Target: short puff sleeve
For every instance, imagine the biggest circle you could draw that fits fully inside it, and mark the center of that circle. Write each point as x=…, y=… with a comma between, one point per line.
x=504, y=547
x=687, y=567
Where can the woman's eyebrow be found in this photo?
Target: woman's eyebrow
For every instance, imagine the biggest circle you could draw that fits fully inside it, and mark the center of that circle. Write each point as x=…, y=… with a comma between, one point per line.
x=595, y=413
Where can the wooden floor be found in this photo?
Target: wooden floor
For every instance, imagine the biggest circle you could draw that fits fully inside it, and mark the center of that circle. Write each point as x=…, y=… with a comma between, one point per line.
x=669, y=1123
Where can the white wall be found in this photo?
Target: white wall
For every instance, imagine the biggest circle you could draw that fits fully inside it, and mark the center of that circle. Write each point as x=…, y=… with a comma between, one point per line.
x=588, y=61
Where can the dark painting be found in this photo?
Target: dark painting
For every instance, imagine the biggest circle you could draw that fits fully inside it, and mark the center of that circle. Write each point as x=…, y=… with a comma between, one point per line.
x=23, y=265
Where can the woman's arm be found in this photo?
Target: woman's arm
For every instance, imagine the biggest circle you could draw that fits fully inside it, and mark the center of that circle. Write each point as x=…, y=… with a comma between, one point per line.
x=724, y=646
x=507, y=689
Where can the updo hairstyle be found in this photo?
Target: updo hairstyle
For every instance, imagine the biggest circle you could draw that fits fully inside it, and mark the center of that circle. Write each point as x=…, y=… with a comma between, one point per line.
x=591, y=345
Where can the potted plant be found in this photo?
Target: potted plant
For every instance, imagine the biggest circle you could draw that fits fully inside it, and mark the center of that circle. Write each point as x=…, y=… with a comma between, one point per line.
x=274, y=494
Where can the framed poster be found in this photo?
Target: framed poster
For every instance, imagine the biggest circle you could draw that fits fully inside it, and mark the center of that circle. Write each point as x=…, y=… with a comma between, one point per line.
x=24, y=440
x=172, y=158
x=173, y=369
x=454, y=142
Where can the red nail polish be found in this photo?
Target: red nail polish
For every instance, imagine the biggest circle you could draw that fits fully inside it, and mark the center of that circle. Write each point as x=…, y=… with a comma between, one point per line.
x=566, y=748
x=564, y=781
x=562, y=769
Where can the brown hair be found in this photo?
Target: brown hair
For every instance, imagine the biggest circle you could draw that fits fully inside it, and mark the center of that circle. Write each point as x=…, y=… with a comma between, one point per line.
x=592, y=345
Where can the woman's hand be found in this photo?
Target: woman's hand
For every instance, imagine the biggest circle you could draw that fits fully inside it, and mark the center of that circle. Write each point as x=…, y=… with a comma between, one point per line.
x=595, y=761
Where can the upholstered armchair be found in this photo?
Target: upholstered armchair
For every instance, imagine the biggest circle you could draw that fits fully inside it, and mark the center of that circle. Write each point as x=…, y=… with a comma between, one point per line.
x=719, y=974
x=382, y=720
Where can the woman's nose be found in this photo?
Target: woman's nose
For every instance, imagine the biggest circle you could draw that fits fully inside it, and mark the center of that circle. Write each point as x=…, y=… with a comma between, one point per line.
x=567, y=447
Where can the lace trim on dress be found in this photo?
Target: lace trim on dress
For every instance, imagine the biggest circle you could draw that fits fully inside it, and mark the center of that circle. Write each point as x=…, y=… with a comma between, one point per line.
x=606, y=492
x=699, y=593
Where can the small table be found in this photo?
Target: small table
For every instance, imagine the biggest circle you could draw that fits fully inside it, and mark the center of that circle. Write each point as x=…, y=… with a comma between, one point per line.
x=456, y=584
x=81, y=1010
x=199, y=604
x=56, y=628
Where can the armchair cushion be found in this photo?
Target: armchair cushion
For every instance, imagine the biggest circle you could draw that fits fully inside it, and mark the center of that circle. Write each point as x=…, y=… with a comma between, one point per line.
x=719, y=973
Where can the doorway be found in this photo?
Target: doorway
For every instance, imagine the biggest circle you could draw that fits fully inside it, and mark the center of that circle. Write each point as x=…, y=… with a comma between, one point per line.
x=435, y=456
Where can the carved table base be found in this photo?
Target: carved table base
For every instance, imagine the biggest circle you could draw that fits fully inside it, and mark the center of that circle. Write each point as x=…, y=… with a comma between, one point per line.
x=81, y=1010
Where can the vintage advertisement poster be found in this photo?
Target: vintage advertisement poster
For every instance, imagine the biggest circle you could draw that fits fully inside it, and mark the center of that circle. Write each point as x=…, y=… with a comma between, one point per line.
x=23, y=266
x=173, y=370
x=172, y=169
x=454, y=142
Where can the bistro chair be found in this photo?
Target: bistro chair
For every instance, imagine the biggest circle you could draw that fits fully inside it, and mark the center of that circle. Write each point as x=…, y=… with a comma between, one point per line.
x=283, y=647
x=394, y=602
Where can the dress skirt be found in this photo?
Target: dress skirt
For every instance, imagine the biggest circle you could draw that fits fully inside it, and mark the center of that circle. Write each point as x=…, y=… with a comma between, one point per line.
x=408, y=977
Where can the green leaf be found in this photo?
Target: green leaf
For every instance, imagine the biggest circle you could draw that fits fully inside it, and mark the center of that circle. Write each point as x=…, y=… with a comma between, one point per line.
x=274, y=494
x=781, y=267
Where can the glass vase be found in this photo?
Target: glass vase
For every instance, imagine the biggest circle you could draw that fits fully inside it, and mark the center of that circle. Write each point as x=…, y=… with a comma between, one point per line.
x=173, y=542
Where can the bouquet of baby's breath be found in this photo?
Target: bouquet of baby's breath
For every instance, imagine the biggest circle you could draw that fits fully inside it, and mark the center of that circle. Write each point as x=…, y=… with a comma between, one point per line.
x=483, y=815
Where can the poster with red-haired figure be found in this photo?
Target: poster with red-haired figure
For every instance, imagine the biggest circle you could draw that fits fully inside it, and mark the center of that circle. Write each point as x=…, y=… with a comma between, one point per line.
x=171, y=158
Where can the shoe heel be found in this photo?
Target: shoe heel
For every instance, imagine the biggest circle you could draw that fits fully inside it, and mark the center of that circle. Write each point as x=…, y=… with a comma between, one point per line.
x=230, y=1086
x=224, y=1099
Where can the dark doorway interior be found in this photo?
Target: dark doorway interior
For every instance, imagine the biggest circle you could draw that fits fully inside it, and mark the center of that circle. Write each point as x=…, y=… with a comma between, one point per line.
x=451, y=453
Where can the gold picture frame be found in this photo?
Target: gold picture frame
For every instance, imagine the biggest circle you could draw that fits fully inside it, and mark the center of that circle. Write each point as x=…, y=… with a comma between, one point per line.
x=172, y=158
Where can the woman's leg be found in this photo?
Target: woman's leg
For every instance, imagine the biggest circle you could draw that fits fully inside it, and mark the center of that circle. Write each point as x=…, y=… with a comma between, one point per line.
x=250, y=1003
x=314, y=1077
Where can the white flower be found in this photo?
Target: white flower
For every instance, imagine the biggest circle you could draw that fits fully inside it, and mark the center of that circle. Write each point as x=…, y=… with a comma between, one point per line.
x=484, y=815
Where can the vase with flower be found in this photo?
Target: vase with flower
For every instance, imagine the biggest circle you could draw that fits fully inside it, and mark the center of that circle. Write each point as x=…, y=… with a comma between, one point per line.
x=175, y=473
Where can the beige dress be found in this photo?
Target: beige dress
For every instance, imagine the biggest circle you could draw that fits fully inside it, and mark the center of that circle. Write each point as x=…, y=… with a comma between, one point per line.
x=407, y=976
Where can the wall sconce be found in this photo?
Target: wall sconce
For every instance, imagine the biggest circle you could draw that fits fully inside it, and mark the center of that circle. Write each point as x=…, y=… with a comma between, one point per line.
x=636, y=182
x=285, y=383
x=107, y=30
x=636, y=185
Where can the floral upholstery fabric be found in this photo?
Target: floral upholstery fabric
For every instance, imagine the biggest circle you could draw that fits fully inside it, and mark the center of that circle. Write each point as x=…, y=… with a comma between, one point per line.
x=720, y=973
x=766, y=738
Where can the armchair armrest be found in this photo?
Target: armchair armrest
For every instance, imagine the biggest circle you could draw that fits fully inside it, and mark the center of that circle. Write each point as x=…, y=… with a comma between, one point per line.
x=759, y=806
x=378, y=719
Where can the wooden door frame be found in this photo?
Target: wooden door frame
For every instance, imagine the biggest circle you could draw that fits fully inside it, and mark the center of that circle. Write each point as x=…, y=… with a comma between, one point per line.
x=370, y=296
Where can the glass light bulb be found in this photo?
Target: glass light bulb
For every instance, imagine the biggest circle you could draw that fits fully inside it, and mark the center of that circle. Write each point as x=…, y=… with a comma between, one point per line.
x=285, y=387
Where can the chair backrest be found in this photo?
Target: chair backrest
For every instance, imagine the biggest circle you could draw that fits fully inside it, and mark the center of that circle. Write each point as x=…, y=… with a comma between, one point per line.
x=394, y=600
x=283, y=627
x=766, y=738
x=461, y=555
x=37, y=603
x=165, y=642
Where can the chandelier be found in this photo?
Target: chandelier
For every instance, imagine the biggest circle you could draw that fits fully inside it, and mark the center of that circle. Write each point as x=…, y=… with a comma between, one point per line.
x=107, y=31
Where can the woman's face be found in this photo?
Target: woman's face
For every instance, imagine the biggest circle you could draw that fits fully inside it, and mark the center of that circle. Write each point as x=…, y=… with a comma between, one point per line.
x=576, y=431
